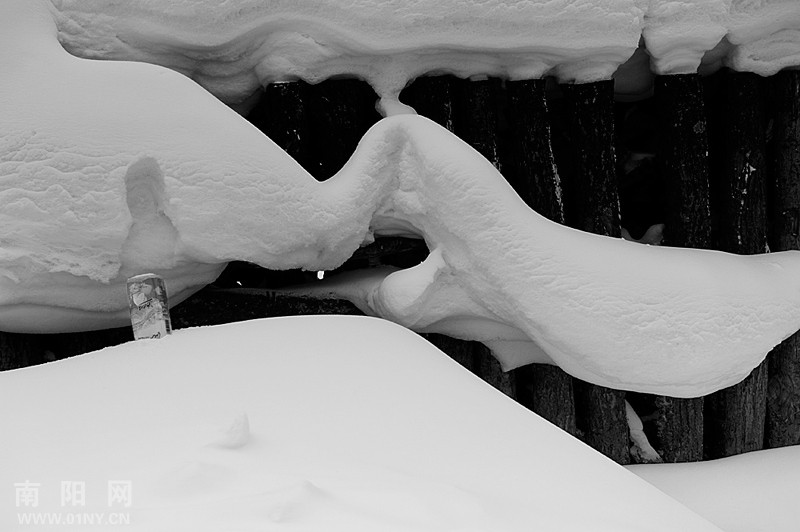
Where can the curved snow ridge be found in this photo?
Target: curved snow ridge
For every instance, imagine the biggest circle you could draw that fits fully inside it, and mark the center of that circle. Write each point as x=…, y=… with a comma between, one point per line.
x=234, y=48
x=104, y=183
x=673, y=321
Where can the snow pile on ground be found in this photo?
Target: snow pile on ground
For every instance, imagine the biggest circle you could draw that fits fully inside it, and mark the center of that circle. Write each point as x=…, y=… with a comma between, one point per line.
x=753, y=492
x=312, y=423
x=93, y=191
x=232, y=48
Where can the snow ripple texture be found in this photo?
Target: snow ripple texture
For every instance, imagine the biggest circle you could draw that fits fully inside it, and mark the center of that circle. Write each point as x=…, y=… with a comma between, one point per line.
x=112, y=168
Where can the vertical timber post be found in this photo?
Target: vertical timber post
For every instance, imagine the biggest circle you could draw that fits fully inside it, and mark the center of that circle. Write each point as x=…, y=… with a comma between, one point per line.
x=735, y=416
x=591, y=203
x=432, y=97
x=476, y=122
x=783, y=389
x=530, y=168
x=281, y=115
x=477, y=118
x=340, y=112
x=683, y=159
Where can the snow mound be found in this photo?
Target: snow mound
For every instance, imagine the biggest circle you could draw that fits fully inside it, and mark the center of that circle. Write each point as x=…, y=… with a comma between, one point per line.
x=343, y=435
x=93, y=192
x=233, y=48
x=751, y=492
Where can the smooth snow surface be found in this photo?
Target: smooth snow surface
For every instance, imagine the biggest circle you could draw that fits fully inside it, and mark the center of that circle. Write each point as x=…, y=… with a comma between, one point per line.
x=312, y=423
x=232, y=48
x=94, y=190
x=753, y=492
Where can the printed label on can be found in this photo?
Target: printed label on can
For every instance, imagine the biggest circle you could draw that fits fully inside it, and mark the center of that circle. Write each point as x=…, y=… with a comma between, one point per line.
x=147, y=300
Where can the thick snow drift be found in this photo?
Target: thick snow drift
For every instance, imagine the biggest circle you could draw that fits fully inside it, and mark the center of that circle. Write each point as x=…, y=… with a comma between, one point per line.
x=752, y=492
x=232, y=48
x=174, y=181
x=301, y=423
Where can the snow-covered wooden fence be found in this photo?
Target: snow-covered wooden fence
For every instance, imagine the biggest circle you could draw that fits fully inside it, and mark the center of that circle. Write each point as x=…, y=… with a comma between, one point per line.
x=728, y=173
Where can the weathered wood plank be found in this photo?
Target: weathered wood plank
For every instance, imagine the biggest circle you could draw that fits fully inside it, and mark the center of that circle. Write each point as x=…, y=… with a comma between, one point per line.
x=591, y=203
x=529, y=166
x=283, y=116
x=215, y=306
x=528, y=162
x=783, y=397
x=339, y=112
x=735, y=417
x=433, y=97
x=477, y=116
x=682, y=157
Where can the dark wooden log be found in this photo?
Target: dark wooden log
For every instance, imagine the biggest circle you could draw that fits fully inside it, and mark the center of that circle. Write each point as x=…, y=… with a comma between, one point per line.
x=783, y=394
x=282, y=115
x=339, y=111
x=591, y=203
x=65, y=345
x=214, y=306
x=548, y=391
x=682, y=157
x=20, y=350
x=529, y=166
x=476, y=358
x=461, y=351
x=735, y=417
x=432, y=97
x=737, y=145
x=591, y=198
x=601, y=420
x=783, y=397
x=488, y=369
x=679, y=429
x=477, y=116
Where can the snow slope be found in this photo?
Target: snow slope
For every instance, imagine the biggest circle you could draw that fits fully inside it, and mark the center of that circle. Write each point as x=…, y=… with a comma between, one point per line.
x=93, y=192
x=752, y=492
x=303, y=424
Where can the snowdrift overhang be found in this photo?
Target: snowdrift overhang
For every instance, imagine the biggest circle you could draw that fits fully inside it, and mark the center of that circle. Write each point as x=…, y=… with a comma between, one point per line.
x=234, y=48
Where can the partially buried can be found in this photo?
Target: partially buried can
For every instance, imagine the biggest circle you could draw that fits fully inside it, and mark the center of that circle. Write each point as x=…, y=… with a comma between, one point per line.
x=147, y=300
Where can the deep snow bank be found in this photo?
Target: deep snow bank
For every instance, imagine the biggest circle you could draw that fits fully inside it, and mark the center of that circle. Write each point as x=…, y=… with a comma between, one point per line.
x=302, y=423
x=232, y=48
x=93, y=192
x=751, y=492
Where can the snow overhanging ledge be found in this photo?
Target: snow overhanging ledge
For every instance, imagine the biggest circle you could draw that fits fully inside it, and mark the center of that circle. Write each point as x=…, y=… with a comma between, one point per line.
x=121, y=167
x=234, y=48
